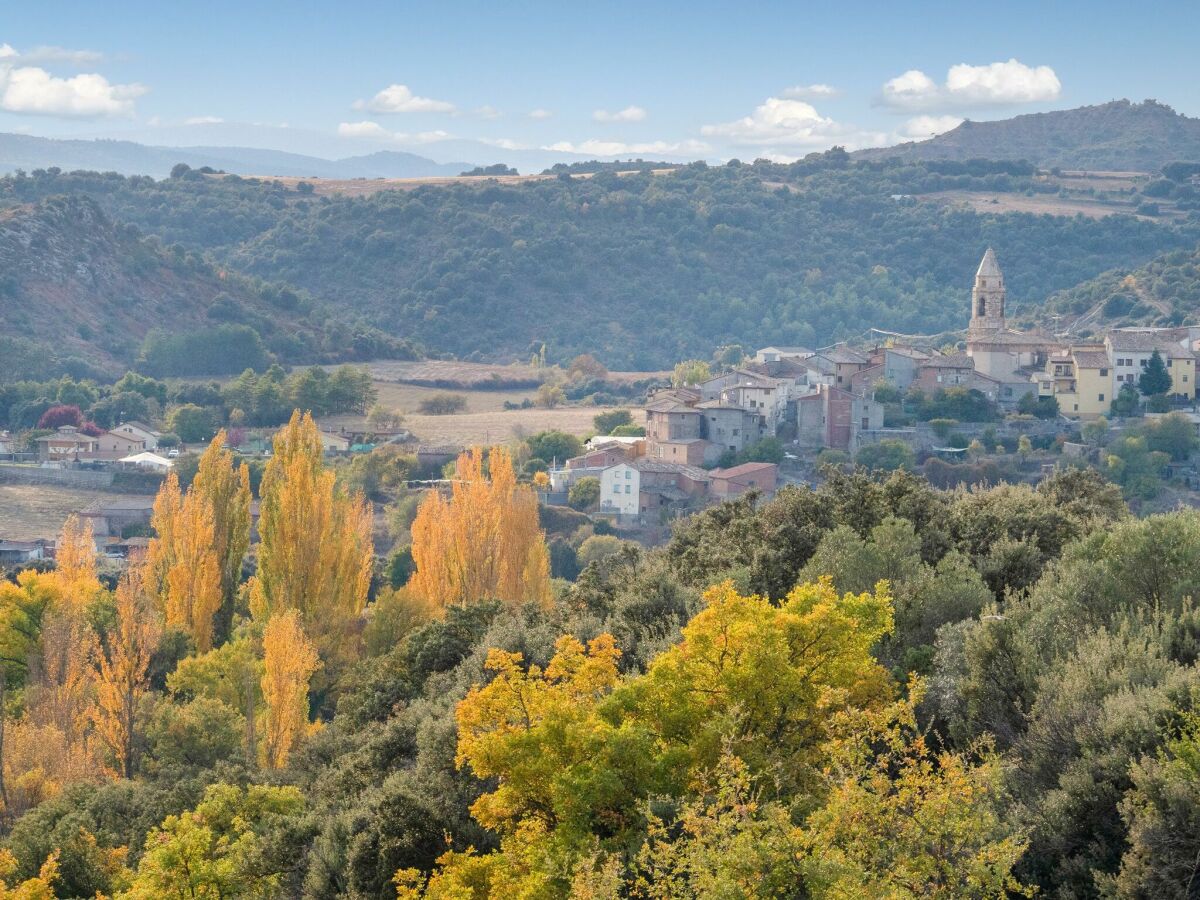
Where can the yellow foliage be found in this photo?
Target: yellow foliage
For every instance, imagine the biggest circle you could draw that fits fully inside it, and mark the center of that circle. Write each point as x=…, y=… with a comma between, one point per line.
x=39, y=761
x=181, y=563
x=226, y=490
x=289, y=661
x=39, y=888
x=316, y=551
x=120, y=675
x=75, y=562
x=484, y=541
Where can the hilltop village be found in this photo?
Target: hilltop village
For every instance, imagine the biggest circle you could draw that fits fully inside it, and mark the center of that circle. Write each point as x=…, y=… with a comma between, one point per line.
x=844, y=398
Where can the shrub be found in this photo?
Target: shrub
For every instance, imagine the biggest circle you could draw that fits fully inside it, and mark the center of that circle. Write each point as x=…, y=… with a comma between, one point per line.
x=443, y=404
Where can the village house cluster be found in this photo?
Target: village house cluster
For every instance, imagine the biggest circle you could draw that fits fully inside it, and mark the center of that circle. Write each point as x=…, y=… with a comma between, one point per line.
x=826, y=398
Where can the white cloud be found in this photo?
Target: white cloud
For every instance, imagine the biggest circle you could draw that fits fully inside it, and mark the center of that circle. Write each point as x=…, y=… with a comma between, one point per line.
x=966, y=87
x=363, y=129
x=50, y=54
x=504, y=143
x=33, y=90
x=488, y=112
x=203, y=120
x=921, y=127
x=376, y=132
x=540, y=113
x=628, y=114
x=779, y=123
x=810, y=91
x=397, y=98
x=620, y=148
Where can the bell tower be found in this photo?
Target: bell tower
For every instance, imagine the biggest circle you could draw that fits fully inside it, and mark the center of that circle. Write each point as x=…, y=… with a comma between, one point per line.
x=987, y=296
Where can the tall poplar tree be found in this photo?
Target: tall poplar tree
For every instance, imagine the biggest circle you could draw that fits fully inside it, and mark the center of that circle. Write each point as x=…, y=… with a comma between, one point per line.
x=121, y=672
x=225, y=487
x=315, y=553
x=484, y=541
x=289, y=661
x=182, y=564
x=75, y=563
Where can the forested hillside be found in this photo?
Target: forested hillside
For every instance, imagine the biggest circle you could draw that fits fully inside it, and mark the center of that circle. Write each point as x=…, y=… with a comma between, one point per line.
x=640, y=270
x=1164, y=291
x=82, y=294
x=1120, y=135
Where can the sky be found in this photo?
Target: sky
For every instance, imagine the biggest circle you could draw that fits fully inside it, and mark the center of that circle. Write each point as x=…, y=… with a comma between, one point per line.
x=653, y=80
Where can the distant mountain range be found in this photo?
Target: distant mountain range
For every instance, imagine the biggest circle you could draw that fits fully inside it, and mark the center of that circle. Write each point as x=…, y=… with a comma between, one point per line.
x=1120, y=135
x=20, y=151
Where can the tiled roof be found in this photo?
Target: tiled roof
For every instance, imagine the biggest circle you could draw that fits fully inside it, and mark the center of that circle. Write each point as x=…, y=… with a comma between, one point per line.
x=1147, y=341
x=843, y=355
x=1091, y=358
x=658, y=466
x=744, y=469
x=949, y=361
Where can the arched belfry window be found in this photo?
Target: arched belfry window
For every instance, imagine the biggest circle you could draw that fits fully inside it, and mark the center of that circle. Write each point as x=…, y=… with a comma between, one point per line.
x=982, y=310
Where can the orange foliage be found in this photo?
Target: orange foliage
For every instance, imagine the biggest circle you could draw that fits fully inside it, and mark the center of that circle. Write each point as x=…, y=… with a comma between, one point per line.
x=289, y=661
x=75, y=562
x=121, y=672
x=484, y=541
x=316, y=551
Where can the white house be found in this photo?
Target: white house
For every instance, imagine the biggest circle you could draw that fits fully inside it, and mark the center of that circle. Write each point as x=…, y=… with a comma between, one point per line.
x=775, y=354
x=620, y=490
x=138, y=432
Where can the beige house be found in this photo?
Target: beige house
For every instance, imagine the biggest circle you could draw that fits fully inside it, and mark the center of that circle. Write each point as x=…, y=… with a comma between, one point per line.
x=67, y=443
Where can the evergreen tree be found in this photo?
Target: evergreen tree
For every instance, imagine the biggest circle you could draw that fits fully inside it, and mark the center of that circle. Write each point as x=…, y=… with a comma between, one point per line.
x=1155, y=380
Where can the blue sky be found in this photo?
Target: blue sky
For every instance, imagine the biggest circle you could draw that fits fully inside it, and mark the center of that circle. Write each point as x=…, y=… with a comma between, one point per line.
x=668, y=79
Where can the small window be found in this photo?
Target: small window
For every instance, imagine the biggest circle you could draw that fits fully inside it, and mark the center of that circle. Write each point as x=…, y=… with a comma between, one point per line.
x=1101, y=398
x=1169, y=361
x=1104, y=373
x=628, y=474
x=628, y=491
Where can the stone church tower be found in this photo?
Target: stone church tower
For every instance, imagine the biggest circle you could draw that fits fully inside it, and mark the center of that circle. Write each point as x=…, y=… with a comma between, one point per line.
x=987, y=297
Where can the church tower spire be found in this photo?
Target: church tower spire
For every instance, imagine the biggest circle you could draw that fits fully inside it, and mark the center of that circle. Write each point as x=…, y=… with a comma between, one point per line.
x=987, y=296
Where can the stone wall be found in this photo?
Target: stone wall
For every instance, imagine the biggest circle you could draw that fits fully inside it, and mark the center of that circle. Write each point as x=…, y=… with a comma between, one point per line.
x=80, y=478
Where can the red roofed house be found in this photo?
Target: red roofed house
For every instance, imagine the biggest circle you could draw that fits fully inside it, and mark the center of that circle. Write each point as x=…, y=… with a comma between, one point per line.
x=739, y=479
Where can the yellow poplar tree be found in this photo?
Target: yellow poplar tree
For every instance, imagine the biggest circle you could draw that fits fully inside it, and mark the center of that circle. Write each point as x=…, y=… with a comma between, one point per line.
x=121, y=672
x=315, y=553
x=182, y=565
x=75, y=562
x=484, y=541
x=226, y=489
x=289, y=661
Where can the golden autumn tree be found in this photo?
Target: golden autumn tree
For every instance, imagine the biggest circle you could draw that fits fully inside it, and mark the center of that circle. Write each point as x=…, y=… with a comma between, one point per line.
x=315, y=553
x=289, y=661
x=225, y=487
x=482, y=542
x=184, y=576
x=75, y=562
x=121, y=672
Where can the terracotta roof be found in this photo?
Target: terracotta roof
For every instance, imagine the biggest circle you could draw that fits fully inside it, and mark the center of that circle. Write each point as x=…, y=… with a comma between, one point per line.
x=949, y=361
x=744, y=469
x=909, y=352
x=1091, y=358
x=1146, y=341
x=669, y=405
x=843, y=355
x=645, y=464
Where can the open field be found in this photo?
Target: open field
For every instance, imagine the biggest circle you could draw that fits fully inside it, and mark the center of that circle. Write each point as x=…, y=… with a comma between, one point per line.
x=29, y=511
x=362, y=187
x=1039, y=204
x=473, y=373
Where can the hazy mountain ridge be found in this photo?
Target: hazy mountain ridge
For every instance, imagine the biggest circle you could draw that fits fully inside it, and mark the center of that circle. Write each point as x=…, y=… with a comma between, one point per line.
x=1119, y=135
x=25, y=152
